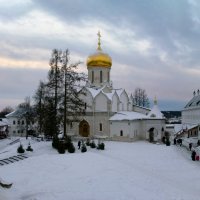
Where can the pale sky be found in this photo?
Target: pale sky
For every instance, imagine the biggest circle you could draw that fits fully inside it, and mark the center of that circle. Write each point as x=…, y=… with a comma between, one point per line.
x=154, y=44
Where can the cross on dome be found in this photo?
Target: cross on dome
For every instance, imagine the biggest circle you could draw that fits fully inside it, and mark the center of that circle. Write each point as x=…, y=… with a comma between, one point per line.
x=99, y=41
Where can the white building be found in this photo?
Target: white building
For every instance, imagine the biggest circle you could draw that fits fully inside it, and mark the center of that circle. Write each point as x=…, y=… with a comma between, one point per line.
x=191, y=115
x=111, y=112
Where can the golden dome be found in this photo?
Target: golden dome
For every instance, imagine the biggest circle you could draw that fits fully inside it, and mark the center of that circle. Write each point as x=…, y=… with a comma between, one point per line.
x=99, y=59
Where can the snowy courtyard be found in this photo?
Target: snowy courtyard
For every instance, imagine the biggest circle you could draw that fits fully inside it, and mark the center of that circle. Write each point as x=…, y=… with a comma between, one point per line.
x=123, y=171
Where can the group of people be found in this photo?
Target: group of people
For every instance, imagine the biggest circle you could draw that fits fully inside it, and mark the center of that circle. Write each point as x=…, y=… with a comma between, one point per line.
x=194, y=155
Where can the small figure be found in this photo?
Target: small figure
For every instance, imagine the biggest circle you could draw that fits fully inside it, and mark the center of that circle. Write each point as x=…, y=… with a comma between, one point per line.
x=190, y=146
x=180, y=140
x=174, y=141
x=193, y=156
x=79, y=144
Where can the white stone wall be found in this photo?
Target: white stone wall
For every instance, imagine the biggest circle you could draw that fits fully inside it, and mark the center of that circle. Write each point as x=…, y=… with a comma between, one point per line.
x=17, y=129
x=124, y=101
x=96, y=70
x=191, y=115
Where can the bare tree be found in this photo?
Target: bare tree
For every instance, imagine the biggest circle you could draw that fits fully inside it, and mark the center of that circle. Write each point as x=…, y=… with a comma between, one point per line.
x=141, y=98
x=5, y=111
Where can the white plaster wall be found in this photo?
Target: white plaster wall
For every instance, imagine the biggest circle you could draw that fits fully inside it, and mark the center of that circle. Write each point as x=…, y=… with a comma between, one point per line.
x=191, y=116
x=97, y=70
x=88, y=99
x=16, y=129
x=115, y=102
x=124, y=99
x=101, y=103
x=117, y=126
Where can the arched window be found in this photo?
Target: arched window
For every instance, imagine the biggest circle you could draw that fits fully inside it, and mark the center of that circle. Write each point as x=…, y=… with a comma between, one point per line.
x=92, y=76
x=101, y=76
x=85, y=106
x=121, y=133
x=100, y=127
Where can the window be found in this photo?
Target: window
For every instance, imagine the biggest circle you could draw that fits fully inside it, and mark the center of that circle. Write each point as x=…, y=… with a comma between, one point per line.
x=18, y=122
x=121, y=133
x=18, y=131
x=14, y=132
x=92, y=76
x=71, y=125
x=101, y=77
x=22, y=131
x=108, y=76
x=22, y=122
x=14, y=122
x=100, y=127
x=85, y=106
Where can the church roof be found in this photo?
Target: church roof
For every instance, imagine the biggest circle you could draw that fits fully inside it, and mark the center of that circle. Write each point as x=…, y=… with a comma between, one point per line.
x=155, y=112
x=125, y=115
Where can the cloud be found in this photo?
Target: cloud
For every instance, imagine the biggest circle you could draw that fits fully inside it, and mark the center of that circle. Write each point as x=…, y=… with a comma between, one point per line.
x=156, y=43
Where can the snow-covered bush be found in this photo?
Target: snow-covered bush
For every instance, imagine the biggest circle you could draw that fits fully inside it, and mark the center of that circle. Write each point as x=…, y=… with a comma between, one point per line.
x=101, y=146
x=92, y=144
x=55, y=142
x=29, y=148
x=88, y=142
x=83, y=148
x=71, y=148
x=61, y=147
x=167, y=142
x=20, y=149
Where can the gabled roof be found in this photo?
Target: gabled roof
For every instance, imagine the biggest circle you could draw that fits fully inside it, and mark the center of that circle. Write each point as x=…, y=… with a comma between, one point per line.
x=17, y=113
x=195, y=101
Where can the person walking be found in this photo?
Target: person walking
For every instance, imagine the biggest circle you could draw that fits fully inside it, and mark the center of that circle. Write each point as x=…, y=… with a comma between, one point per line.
x=193, y=156
x=190, y=146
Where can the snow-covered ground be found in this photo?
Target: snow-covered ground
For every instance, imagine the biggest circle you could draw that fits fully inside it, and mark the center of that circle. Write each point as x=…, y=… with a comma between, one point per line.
x=123, y=171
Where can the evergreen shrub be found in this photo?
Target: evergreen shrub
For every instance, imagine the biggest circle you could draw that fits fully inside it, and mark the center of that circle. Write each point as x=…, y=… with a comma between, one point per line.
x=20, y=149
x=55, y=142
x=88, y=142
x=68, y=142
x=29, y=148
x=61, y=147
x=167, y=142
x=92, y=144
x=101, y=146
x=71, y=148
x=83, y=148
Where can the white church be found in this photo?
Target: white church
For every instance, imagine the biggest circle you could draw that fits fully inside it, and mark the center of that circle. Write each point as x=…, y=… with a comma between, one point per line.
x=111, y=112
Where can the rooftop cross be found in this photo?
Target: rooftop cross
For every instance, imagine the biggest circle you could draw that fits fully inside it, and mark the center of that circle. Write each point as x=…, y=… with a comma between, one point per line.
x=99, y=41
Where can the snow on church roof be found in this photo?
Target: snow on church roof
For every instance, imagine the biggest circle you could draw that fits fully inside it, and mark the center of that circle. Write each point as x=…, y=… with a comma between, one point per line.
x=128, y=116
x=155, y=112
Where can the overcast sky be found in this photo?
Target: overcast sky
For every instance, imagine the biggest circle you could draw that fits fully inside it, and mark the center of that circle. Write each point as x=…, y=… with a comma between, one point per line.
x=154, y=44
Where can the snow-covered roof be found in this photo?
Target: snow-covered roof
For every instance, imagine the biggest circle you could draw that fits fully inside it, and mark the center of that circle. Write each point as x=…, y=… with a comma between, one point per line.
x=125, y=115
x=155, y=112
x=95, y=91
x=17, y=113
x=3, y=122
x=195, y=101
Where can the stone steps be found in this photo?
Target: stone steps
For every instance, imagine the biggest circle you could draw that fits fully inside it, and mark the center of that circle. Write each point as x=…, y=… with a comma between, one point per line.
x=12, y=159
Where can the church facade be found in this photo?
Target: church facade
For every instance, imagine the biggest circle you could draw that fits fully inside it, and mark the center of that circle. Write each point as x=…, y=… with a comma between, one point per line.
x=111, y=112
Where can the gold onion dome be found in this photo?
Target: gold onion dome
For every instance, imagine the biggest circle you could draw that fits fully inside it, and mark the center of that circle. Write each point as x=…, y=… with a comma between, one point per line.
x=99, y=58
